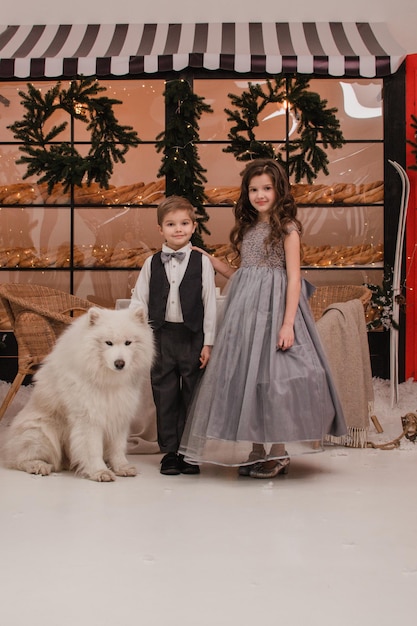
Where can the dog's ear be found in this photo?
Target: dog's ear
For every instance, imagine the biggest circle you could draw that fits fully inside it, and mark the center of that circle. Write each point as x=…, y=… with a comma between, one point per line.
x=93, y=315
x=139, y=315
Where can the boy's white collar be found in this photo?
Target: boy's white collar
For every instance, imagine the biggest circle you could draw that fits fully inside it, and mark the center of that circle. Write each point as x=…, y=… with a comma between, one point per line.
x=186, y=248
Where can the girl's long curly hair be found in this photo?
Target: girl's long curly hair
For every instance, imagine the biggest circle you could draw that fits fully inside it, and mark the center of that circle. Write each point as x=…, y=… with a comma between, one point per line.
x=283, y=213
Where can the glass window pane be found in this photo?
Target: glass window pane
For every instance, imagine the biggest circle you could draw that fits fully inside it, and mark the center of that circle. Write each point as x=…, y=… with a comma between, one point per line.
x=104, y=287
x=115, y=236
x=354, y=163
x=110, y=243
x=142, y=106
x=49, y=278
x=358, y=102
x=345, y=276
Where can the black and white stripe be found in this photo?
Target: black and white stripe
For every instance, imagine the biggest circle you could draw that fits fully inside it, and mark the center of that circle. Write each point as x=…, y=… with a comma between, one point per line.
x=323, y=48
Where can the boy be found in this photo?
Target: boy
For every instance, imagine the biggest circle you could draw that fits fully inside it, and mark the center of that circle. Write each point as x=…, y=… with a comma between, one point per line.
x=176, y=288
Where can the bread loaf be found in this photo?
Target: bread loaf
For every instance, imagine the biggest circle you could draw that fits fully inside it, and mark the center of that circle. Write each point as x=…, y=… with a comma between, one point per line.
x=322, y=256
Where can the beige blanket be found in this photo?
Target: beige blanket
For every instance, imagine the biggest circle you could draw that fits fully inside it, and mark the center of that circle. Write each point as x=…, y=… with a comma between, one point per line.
x=143, y=434
x=342, y=329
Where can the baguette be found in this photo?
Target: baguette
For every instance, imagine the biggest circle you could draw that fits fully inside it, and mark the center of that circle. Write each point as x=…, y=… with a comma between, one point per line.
x=63, y=256
x=57, y=195
x=13, y=259
x=348, y=190
x=361, y=254
x=119, y=195
x=12, y=190
x=129, y=262
x=374, y=195
x=22, y=196
x=223, y=195
x=365, y=187
x=367, y=197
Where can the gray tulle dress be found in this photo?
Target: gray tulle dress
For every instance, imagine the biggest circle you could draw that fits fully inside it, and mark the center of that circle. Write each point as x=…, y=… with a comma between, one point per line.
x=251, y=392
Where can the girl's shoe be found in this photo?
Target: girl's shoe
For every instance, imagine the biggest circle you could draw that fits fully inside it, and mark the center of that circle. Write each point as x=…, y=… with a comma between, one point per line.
x=260, y=471
x=245, y=470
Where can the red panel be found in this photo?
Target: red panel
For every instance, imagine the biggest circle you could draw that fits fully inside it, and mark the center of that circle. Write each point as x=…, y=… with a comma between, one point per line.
x=411, y=229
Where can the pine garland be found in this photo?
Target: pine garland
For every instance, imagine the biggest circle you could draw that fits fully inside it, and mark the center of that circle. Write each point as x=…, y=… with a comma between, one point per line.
x=382, y=302
x=184, y=174
x=303, y=157
x=60, y=162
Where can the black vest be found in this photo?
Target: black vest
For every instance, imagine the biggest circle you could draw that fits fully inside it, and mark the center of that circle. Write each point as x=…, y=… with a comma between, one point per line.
x=190, y=289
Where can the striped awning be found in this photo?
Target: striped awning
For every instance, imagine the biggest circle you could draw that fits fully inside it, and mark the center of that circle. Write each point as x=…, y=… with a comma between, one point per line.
x=324, y=48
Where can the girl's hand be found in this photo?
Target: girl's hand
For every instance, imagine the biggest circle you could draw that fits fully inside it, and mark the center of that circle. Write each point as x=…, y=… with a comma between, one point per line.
x=218, y=265
x=201, y=250
x=285, y=337
x=205, y=356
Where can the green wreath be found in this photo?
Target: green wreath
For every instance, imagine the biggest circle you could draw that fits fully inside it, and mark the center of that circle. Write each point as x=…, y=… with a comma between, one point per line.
x=317, y=129
x=60, y=162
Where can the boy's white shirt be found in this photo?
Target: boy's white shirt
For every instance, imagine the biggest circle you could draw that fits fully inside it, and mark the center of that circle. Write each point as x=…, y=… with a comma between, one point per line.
x=175, y=272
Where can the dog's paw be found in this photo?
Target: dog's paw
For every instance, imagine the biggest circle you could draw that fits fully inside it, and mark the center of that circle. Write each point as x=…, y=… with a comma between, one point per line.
x=36, y=467
x=103, y=476
x=126, y=470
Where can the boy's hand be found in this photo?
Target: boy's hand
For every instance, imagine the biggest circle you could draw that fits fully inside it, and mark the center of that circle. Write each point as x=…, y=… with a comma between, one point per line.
x=205, y=356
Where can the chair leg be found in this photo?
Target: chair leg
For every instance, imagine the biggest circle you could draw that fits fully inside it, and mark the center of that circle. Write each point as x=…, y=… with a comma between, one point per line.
x=19, y=378
x=377, y=424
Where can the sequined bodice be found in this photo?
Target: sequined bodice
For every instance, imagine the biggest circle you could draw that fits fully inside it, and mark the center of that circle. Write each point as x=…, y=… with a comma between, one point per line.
x=254, y=253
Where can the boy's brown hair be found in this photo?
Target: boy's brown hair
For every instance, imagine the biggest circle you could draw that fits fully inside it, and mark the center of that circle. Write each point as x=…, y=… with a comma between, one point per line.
x=174, y=203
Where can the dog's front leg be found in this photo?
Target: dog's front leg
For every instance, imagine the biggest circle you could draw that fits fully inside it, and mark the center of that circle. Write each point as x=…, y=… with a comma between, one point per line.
x=86, y=453
x=115, y=454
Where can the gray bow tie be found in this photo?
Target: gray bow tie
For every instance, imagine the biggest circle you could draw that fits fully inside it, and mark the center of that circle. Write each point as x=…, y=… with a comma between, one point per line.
x=167, y=256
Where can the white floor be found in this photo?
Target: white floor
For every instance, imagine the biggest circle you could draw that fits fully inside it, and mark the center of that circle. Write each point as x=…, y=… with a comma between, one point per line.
x=332, y=543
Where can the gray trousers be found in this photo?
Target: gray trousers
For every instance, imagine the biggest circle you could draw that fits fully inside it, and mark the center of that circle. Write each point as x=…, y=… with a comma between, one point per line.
x=174, y=377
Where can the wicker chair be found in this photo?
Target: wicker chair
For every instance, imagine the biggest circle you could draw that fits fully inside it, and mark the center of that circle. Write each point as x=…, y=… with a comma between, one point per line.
x=38, y=315
x=326, y=295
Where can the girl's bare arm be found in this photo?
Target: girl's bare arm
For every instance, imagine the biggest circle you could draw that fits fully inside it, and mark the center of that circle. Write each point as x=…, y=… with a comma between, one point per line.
x=292, y=259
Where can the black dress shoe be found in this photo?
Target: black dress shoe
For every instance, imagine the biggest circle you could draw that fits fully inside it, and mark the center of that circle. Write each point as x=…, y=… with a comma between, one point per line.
x=187, y=468
x=170, y=464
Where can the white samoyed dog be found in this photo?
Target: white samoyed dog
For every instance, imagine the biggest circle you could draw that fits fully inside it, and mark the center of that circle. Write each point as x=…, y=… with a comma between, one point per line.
x=85, y=395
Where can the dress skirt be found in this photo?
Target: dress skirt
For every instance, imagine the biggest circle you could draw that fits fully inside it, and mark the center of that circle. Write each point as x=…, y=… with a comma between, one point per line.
x=253, y=393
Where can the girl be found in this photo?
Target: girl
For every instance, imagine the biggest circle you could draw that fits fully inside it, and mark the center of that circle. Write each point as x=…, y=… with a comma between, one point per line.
x=267, y=392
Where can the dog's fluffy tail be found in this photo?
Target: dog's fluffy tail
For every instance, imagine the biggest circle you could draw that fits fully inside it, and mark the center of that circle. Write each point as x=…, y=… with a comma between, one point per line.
x=31, y=449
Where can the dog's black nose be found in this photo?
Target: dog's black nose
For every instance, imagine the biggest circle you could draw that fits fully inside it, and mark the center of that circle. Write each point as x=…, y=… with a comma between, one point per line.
x=119, y=364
